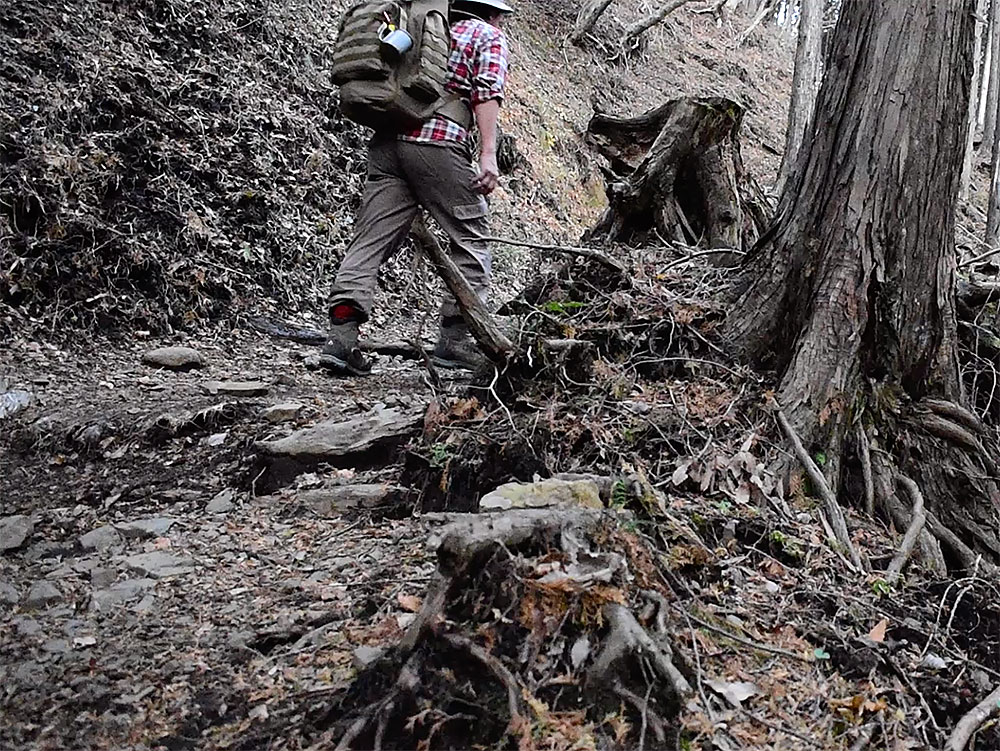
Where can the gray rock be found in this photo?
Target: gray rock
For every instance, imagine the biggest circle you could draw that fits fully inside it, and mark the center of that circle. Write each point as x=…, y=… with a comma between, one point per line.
x=338, y=438
x=222, y=503
x=8, y=594
x=332, y=502
x=27, y=626
x=55, y=646
x=236, y=388
x=101, y=538
x=13, y=401
x=120, y=592
x=159, y=565
x=14, y=530
x=102, y=578
x=283, y=412
x=543, y=494
x=42, y=594
x=141, y=528
x=174, y=358
x=365, y=656
x=29, y=675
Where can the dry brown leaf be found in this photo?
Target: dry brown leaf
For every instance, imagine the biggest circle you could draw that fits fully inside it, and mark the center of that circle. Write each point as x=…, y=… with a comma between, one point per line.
x=877, y=634
x=409, y=603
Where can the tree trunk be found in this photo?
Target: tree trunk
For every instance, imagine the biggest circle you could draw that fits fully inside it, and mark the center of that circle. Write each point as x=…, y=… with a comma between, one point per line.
x=850, y=297
x=993, y=213
x=974, y=99
x=805, y=85
x=591, y=11
x=993, y=90
x=675, y=172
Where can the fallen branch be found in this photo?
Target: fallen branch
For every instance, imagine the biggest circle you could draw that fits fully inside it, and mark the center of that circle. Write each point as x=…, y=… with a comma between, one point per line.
x=912, y=534
x=595, y=255
x=484, y=329
x=587, y=18
x=830, y=504
x=744, y=641
x=648, y=22
x=971, y=721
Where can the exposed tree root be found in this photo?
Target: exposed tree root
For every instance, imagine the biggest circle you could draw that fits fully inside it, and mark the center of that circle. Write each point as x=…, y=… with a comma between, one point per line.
x=912, y=534
x=968, y=725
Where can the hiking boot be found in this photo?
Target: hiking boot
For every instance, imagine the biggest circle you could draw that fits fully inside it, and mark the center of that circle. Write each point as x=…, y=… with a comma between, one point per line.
x=456, y=349
x=341, y=354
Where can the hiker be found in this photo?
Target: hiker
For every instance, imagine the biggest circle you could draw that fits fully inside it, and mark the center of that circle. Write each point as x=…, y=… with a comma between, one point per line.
x=430, y=166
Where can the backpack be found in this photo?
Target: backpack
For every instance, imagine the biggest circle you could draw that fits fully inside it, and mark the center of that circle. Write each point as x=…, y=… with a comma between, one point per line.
x=388, y=92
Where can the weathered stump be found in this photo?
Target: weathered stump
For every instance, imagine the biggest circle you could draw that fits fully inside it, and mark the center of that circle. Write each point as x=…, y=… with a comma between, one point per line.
x=676, y=173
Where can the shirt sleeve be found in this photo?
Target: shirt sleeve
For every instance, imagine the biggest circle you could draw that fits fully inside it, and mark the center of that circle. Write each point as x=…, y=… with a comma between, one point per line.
x=489, y=69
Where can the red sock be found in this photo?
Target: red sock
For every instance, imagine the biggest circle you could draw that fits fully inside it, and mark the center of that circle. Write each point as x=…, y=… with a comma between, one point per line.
x=344, y=312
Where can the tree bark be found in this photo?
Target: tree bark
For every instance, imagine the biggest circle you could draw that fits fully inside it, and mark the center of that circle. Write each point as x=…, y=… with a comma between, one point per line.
x=851, y=295
x=589, y=14
x=805, y=85
x=974, y=99
x=993, y=89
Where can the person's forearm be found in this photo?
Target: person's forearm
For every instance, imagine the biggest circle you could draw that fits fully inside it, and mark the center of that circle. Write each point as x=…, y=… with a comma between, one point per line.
x=487, y=113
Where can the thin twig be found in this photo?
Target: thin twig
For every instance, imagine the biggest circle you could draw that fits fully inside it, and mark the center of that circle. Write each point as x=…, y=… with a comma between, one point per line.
x=698, y=254
x=591, y=253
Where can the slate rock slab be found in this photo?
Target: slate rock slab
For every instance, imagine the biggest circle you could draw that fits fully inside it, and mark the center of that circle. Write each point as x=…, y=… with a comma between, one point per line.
x=337, y=438
x=120, y=593
x=143, y=528
x=101, y=538
x=14, y=531
x=42, y=594
x=159, y=564
x=283, y=412
x=236, y=388
x=174, y=358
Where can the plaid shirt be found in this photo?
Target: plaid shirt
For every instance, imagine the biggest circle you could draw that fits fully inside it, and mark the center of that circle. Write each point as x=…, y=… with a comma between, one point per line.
x=477, y=72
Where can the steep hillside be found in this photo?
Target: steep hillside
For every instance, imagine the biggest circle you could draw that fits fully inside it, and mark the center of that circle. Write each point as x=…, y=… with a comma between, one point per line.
x=164, y=164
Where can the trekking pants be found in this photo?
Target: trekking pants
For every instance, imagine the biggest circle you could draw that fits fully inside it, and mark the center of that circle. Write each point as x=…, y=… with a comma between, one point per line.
x=402, y=177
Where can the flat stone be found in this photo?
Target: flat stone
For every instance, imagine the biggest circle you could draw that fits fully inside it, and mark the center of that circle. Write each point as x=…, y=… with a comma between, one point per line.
x=120, y=592
x=14, y=530
x=283, y=412
x=543, y=494
x=364, y=656
x=236, y=388
x=337, y=438
x=159, y=565
x=143, y=528
x=27, y=626
x=101, y=538
x=42, y=594
x=174, y=358
x=8, y=594
x=222, y=503
x=331, y=502
x=102, y=578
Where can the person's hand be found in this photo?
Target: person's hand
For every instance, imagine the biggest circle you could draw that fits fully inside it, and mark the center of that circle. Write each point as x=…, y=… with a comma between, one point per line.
x=489, y=173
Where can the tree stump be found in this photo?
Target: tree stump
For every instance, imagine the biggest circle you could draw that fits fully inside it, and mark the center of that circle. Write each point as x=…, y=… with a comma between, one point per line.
x=676, y=173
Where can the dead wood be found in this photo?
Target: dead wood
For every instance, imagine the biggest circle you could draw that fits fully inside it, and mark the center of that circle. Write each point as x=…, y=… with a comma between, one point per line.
x=972, y=720
x=587, y=18
x=675, y=172
x=484, y=329
x=633, y=31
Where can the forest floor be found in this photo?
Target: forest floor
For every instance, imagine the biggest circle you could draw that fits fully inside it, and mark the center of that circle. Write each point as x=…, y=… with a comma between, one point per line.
x=169, y=581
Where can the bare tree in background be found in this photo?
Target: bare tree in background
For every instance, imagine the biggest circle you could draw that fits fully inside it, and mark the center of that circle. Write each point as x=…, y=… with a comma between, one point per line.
x=974, y=98
x=992, y=85
x=805, y=84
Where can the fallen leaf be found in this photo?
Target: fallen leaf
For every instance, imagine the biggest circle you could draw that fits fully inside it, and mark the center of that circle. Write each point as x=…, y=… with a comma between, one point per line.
x=735, y=693
x=410, y=603
x=877, y=634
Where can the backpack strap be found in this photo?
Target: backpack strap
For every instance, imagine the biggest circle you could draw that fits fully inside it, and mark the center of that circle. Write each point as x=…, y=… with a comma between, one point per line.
x=455, y=109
